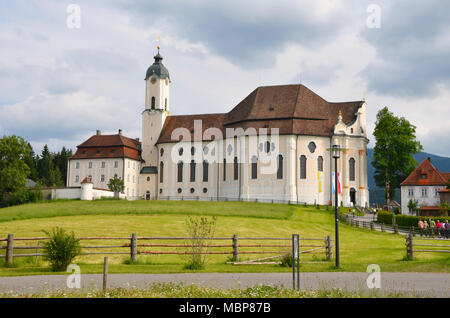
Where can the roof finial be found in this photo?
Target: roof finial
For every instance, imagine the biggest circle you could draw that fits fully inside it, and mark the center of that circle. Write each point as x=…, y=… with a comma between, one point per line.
x=158, y=47
x=340, y=115
x=364, y=96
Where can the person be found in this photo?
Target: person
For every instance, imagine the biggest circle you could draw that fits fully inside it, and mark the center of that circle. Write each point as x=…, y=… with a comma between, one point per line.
x=432, y=223
x=447, y=229
x=425, y=227
x=438, y=227
x=421, y=227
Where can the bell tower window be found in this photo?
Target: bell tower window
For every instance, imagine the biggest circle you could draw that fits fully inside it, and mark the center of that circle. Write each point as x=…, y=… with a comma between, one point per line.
x=165, y=104
x=153, y=102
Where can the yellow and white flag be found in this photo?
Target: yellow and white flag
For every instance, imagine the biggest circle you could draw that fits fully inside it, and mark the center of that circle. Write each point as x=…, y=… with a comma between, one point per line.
x=320, y=181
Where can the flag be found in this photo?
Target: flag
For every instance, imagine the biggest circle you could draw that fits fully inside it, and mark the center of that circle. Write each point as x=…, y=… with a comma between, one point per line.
x=320, y=181
x=339, y=183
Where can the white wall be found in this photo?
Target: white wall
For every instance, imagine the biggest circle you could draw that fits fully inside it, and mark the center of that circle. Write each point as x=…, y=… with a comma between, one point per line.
x=430, y=200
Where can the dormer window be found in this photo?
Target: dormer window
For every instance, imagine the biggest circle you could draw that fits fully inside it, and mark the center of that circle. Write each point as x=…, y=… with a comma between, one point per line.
x=271, y=108
x=424, y=176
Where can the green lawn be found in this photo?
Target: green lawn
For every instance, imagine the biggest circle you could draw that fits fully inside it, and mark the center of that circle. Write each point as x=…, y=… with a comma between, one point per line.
x=359, y=247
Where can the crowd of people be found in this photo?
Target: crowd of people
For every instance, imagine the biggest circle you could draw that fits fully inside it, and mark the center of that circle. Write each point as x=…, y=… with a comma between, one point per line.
x=431, y=228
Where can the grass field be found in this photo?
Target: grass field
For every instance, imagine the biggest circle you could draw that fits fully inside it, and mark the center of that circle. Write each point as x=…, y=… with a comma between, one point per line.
x=359, y=247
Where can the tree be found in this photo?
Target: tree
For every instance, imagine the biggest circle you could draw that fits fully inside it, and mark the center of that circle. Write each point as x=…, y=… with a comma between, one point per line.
x=393, y=153
x=60, y=161
x=49, y=173
x=116, y=185
x=13, y=169
x=413, y=205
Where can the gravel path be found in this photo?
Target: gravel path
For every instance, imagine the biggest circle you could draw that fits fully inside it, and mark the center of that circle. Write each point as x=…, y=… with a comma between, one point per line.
x=414, y=284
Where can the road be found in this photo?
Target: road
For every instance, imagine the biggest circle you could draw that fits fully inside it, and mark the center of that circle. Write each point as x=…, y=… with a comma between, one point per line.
x=413, y=284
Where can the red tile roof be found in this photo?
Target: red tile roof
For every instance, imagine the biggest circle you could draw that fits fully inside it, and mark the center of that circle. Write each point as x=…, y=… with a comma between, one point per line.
x=108, y=146
x=426, y=168
x=293, y=109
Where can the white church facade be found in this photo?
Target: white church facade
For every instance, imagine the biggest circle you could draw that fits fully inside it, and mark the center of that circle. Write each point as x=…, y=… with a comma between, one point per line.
x=273, y=146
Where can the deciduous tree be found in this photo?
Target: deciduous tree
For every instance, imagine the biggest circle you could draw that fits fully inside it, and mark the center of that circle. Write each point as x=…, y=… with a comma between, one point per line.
x=393, y=153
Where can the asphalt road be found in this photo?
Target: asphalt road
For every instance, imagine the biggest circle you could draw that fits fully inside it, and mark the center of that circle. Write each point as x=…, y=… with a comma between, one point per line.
x=413, y=284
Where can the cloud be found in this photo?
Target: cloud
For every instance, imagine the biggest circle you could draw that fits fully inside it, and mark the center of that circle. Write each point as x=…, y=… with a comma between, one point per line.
x=59, y=85
x=412, y=49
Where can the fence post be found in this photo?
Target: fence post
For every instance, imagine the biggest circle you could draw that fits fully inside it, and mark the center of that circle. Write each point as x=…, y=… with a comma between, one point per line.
x=329, y=249
x=409, y=247
x=235, y=248
x=382, y=227
x=133, y=248
x=395, y=228
x=10, y=250
x=372, y=227
x=105, y=274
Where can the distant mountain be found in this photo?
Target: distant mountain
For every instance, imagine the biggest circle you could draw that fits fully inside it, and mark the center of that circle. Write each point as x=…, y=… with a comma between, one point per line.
x=377, y=194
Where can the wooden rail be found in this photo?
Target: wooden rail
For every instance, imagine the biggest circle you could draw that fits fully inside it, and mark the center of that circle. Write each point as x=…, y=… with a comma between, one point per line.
x=410, y=246
x=236, y=245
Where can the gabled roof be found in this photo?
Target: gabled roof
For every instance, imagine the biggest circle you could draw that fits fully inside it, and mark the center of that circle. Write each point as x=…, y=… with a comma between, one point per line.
x=110, y=141
x=108, y=146
x=426, y=168
x=293, y=109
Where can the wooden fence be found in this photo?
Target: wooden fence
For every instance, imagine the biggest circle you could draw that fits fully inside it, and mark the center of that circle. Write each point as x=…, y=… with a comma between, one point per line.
x=429, y=245
x=135, y=245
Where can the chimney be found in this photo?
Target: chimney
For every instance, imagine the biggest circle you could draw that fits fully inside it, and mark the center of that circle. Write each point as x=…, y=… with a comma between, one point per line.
x=137, y=139
x=99, y=132
x=120, y=132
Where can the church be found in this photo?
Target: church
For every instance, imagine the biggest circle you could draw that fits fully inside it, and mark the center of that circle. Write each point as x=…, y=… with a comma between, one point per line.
x=273, y=146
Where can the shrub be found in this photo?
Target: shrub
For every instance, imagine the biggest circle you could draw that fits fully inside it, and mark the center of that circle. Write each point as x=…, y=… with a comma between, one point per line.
x=61, y=249
x=385, y=217
x=410, y=220
x=200, y=232
x=286, y=260
x=21, y=196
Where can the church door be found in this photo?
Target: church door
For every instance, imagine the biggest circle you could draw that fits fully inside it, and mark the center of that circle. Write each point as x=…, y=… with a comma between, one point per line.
x=353, y=196
x=147, y=195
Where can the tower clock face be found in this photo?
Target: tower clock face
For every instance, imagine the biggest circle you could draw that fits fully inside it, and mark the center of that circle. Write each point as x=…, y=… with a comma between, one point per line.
x=153, y=80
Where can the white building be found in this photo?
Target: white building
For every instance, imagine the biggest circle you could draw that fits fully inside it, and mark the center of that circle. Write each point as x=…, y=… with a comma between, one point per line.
x=423, y=185
x=274, y=145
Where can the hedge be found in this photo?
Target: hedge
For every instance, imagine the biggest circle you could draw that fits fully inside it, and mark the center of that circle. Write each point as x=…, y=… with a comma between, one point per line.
x=385, y=217
x=406, y=220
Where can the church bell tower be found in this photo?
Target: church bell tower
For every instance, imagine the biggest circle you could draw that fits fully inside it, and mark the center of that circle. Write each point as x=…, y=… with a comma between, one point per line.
x=157, y=105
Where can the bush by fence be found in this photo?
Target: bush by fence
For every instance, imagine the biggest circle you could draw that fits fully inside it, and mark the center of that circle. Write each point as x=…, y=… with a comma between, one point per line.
x=385, y=217
x=405, y=220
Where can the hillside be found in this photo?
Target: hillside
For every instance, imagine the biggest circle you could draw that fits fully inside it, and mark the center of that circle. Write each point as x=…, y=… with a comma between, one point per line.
x=377, y=194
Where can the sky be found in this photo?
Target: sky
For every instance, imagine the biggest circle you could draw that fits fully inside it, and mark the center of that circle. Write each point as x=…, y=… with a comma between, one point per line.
x=61, y=81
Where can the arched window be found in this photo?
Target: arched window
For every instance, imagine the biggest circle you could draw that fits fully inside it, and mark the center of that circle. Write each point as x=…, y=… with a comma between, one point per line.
x=280, y=167
x=205, y=170
x=236, y=168
x=153, y=102
x=180, y=171
x=192, y=179
x=320, y=163
x=224, y=169
x=303, y=167
x=161, y=171
x=254, y=167
x=165, y=104
x=351, y=164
